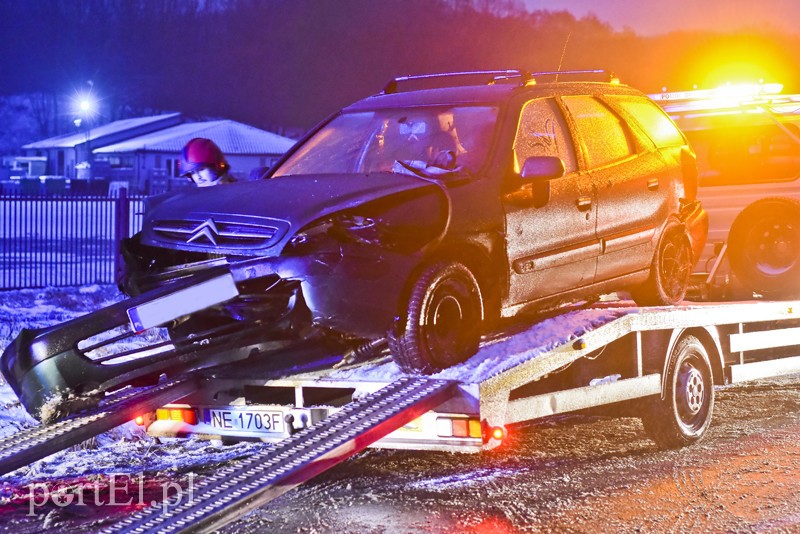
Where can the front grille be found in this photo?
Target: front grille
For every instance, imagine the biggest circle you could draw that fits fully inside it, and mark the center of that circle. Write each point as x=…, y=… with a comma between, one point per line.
x=212, y=232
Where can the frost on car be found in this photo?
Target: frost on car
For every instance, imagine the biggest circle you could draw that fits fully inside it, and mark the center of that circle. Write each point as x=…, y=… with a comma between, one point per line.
x=424, y=215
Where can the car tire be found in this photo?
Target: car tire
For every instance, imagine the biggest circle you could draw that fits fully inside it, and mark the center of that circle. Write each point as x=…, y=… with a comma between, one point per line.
x=684, y=413
x=670, y=271
x=764, y=247
x=443, y=320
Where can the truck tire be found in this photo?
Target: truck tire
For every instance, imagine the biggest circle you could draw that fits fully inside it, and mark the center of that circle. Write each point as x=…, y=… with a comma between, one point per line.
x=443, y=320
x=683, y=415
x=670, y=271
x=764, y=247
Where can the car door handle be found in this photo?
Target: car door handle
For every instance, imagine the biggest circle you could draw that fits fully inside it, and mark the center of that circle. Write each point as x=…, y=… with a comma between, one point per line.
x=652, y=184
x=584, y=203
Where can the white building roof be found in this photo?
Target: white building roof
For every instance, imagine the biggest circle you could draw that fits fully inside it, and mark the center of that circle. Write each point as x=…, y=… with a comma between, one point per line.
x=232, y=138
x=71, y=140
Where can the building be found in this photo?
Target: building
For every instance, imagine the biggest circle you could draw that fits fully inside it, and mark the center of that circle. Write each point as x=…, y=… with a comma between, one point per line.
x=151, y=163
x=140, y=154
x=65, y=152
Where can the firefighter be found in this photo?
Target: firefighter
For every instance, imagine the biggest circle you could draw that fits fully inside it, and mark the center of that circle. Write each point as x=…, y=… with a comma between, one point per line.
x=203, y=163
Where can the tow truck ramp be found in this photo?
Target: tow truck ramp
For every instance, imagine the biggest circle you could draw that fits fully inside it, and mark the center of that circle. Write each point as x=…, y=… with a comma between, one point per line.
x=249, y=484
x=27, y=446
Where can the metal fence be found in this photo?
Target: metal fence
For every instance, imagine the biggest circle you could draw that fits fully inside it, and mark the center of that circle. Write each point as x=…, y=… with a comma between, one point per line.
x=64, y=241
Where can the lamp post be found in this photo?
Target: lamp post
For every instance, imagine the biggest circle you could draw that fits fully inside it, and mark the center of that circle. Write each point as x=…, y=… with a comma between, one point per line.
x=85, y=108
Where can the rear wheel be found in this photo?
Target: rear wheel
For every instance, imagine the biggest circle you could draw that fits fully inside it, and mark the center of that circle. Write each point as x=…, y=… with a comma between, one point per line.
x=670, y=271
x=764, y=247
x=684, y=414
x=444, y=319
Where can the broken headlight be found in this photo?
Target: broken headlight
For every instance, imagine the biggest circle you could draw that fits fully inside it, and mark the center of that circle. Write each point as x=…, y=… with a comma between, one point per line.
x=342, y=228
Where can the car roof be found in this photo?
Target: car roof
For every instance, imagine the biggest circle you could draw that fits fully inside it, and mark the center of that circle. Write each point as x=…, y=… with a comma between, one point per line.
x=487, y=94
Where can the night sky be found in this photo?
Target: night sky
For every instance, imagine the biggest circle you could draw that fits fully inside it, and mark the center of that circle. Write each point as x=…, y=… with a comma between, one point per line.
x=649, y=17
x=283, y=65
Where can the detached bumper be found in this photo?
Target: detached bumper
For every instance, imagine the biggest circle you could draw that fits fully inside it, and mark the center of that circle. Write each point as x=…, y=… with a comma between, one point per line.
x=52, y=374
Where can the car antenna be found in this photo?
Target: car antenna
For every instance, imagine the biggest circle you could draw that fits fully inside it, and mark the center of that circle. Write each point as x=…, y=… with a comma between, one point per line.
x=563, y=52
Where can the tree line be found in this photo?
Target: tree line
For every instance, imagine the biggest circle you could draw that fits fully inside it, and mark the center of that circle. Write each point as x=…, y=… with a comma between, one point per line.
x=286, y=64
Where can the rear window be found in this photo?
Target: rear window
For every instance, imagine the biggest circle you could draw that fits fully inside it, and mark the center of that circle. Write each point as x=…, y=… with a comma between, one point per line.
x=658, y=126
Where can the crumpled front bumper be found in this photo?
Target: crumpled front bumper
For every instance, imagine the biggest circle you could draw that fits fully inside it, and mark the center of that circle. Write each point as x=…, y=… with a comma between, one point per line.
x=50, y=372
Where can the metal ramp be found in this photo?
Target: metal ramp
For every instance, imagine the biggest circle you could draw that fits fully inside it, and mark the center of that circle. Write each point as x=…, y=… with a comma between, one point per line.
x=241, y=488
x=35, y=443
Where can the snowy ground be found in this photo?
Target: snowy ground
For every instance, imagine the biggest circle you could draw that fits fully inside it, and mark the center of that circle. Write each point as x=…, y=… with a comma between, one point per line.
x=584, y=473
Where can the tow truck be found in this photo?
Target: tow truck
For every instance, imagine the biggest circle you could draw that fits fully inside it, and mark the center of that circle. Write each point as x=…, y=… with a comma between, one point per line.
x=315, y=402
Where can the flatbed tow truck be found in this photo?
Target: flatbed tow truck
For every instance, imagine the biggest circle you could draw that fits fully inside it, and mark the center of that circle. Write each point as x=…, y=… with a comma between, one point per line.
x=314, y=406
x=665, y=360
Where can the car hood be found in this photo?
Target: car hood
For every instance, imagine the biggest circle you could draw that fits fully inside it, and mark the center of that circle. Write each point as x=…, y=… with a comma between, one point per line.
x=259, y=217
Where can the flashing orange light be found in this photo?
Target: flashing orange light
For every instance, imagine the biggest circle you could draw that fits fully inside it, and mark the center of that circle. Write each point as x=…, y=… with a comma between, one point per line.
x=139, y=420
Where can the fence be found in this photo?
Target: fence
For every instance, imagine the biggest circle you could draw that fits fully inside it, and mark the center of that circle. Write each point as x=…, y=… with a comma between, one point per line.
x=64, y=241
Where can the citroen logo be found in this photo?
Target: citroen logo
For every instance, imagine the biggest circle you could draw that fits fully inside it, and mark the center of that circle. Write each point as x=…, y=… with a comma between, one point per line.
x=207, y=230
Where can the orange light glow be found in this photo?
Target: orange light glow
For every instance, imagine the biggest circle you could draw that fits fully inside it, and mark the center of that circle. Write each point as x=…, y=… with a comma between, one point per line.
x=498, y=433
x=737, y=59
x=139, y=420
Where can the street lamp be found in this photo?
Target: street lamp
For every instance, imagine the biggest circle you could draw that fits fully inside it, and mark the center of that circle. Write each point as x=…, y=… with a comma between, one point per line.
x=85, y=109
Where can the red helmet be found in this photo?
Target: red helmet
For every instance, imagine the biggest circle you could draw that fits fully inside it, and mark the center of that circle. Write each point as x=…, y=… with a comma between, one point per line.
x=201, y=152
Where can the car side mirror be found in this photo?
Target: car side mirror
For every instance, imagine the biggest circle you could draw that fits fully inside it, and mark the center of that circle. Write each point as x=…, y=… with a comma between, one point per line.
x=542, y=168
x=538, y=171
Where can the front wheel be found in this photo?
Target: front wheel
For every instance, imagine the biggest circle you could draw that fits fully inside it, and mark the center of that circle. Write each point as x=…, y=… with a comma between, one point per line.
x=443, y=320
x=670, y=270
x=683, y=415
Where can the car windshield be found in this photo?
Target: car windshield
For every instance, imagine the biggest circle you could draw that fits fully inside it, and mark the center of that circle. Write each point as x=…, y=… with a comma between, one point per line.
x=430, y=141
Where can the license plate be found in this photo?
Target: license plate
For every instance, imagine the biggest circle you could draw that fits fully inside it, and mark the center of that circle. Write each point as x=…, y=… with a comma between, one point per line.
x=183, y=302
x=259, y=421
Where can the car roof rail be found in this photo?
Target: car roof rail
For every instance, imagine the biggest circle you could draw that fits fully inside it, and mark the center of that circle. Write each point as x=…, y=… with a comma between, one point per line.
x=449, y=79
x=587, y=74
x=487, y=77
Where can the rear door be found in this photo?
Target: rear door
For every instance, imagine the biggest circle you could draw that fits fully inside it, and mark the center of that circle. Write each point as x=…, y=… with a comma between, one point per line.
x=632, y=189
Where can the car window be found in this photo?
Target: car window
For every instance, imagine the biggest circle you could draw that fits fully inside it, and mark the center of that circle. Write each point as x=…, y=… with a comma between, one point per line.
x=652, y=119
x=752, y=154
x=374, y=141
x=603, y=134
x=542, y=132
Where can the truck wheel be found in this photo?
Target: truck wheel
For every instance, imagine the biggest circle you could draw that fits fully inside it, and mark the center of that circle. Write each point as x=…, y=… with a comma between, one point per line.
x=444, y=317
x=764, y=247
x=670, y=271
x=684, y=414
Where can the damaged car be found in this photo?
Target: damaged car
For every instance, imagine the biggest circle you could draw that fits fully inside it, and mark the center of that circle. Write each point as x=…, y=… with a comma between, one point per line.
x=424, y=214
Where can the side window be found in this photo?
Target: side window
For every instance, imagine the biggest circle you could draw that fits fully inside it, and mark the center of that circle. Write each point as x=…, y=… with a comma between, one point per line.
x=733, y=154
x=602, y=133
x=543, y=132
x=653, y=120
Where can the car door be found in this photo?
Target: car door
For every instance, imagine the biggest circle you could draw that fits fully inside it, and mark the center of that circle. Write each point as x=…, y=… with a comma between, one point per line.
x=632, y=192
x=551, y=246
